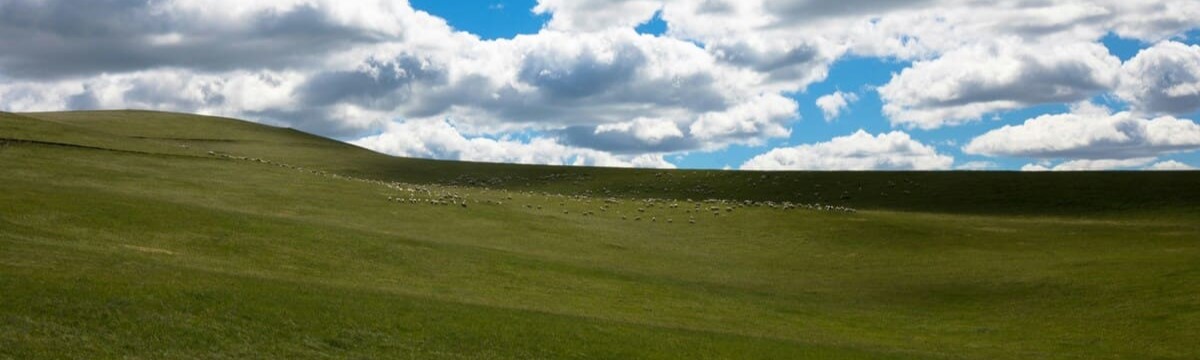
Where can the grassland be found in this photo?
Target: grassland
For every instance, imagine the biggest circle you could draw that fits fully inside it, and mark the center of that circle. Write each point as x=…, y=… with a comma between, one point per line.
x=131, y=234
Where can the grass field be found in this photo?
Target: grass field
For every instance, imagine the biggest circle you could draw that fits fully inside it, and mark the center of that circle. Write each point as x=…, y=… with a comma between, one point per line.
x=132, y=234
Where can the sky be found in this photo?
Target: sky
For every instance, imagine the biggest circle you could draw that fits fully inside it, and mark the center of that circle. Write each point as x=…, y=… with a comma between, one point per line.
x=1029, y=85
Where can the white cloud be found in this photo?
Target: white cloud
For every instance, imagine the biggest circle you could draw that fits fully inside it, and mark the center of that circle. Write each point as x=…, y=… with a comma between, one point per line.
x=1089, y=132
x=548, y=82
x=832, y=104
x=966, y=84
x=858, y=151
x=651, y=131
x=1047, y=52
x=723, y=73
x=976, y=165
x=593, y=15
x=1170, y=165
x=439, y=139
x=1091, y=165
x=1163, y=79
x=59, y=38
x=925, y=28
x=749, y=122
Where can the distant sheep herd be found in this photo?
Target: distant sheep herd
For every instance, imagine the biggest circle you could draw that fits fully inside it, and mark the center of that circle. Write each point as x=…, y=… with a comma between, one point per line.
x=444, y=196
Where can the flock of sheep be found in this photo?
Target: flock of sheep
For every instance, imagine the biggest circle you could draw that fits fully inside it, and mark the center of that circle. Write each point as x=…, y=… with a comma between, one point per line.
x=648, y=209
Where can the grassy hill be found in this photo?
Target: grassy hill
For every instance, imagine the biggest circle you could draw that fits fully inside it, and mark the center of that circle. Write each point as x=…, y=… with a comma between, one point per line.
x=157, y=235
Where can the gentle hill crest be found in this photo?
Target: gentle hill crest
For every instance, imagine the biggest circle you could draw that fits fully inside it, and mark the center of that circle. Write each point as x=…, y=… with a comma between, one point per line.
x=960, y=191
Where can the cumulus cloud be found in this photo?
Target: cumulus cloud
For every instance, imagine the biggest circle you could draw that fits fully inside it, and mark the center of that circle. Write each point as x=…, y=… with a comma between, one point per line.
x=976, y=165
x=858, y=151
x=651, y=131
x=1090, y=165
x=965, y=84
x=923, y=29
x=1170, y=165
x=1046, y=52
x=724, y=73
x=592, y=15
x=749, y=122
x=1089, y=132
x=1164, y=78
x=439, y=139
x=60, y=38
x=554, y=81
x=832, y=104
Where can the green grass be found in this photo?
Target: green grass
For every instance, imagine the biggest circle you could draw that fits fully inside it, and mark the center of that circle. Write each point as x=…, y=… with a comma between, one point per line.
x=120, y=236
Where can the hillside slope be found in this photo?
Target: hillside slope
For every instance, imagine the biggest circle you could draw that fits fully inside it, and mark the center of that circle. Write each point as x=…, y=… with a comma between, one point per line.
x=121, y=236
x=950, y=192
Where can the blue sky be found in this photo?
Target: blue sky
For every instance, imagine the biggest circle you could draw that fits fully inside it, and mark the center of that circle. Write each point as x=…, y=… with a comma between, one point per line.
x=487, y=19
x=746, y=84
x=503, y=19
x=859, y=75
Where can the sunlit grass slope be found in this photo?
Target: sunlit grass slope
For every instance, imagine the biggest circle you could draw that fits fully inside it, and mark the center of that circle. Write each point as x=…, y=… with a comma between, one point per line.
x=121, y=235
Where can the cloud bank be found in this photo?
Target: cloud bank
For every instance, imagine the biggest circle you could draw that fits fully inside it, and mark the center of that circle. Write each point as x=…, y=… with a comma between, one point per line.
x=857, y=151
x=591, y=90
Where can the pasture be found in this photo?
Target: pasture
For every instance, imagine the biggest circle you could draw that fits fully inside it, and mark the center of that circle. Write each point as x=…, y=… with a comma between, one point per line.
x=133, y=234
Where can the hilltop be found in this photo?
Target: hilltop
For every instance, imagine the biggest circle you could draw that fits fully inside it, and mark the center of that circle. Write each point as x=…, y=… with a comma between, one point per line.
x=926, y=191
